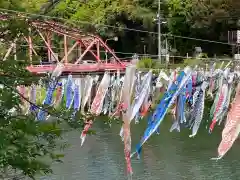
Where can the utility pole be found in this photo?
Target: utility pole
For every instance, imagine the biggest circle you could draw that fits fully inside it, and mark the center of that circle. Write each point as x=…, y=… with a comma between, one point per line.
x=167, y=53
x=159, y=31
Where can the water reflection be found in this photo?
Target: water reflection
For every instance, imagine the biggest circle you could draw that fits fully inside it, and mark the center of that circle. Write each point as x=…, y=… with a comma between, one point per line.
x=168, y=156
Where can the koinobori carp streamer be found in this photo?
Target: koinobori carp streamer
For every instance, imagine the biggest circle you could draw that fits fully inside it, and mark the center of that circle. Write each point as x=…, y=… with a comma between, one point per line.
x=133, y=95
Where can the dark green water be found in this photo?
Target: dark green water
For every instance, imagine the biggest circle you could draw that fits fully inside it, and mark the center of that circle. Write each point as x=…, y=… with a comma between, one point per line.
x=168, y=156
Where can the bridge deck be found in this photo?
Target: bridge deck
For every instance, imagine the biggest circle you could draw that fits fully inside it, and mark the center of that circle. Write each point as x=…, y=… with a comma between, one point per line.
x=78, y=68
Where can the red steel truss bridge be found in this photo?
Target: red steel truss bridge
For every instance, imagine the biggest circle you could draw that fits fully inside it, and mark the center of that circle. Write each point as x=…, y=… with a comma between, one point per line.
x=85, y=48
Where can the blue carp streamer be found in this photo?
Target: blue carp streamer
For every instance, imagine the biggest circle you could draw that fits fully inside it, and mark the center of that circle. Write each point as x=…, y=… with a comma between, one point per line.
x=161, y=110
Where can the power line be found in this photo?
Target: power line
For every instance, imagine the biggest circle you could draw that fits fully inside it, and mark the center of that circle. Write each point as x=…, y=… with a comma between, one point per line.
x=121, y=28
x=146, y=55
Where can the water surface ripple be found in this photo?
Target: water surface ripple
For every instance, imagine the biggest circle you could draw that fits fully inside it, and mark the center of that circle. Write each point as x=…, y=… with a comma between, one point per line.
x=168, y=156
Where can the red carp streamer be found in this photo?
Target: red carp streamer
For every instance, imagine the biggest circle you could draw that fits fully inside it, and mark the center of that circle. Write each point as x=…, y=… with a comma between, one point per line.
x=87, y=126
x=231, y=130
x=219, y=104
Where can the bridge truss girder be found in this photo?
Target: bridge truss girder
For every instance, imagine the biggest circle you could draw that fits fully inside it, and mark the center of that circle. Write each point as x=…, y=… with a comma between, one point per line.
x=87, y=43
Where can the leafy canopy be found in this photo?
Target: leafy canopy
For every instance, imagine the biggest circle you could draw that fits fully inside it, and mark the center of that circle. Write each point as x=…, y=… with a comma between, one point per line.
x=105, y=12
x=24, y=142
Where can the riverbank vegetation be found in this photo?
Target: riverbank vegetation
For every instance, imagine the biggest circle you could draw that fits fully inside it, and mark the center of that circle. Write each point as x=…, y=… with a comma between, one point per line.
x=185, y=24
x=134, y=22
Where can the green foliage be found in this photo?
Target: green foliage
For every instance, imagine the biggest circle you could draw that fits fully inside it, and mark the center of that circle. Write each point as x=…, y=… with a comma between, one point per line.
x=24, y=141
x=27, y=6
x=205, y=19
x=104, y=12
x=202, y=19
x=199, y=61
x=146, y=63
x=149, y=63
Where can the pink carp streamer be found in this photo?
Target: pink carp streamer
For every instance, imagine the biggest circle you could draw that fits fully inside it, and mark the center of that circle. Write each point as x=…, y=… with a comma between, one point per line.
x=87, y=126
x=126, y=114
x=175, y=75
x=25, y=92
x=231, y=130
x=97, y=104
x=120, y=107
x=219, y=104
x=211, y=83
x=194, y=80
x=22, y=90
x=145, y=108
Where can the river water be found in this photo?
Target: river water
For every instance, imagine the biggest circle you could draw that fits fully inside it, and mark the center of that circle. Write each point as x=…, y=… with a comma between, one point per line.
x=168, y=156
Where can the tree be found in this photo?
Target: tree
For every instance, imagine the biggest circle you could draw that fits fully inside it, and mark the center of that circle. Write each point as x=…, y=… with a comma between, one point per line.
x=195, y=19
x=110, y=18
x=105, y=12
x=177, y=22
x=24, y=142
x=204, y=20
